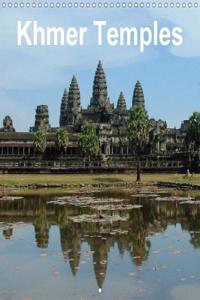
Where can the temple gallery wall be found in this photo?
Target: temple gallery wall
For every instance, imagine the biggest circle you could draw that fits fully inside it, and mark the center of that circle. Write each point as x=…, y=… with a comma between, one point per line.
x=166, y=150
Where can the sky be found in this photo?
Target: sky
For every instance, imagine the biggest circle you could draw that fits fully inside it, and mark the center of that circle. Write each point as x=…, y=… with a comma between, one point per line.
x=30, y=76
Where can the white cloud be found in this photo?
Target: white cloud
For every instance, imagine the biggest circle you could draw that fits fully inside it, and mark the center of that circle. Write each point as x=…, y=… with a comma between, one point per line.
x=188, y=19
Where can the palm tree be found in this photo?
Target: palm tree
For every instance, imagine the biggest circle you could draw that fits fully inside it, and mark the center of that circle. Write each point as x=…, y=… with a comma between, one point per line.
x=138, y=127
x=192, y=141
x=62, y=139
x=40, y=140
x=88, y=140
x=193, y=134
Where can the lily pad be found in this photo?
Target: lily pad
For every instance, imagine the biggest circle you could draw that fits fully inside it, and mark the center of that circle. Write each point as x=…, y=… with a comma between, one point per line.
x=191, y=202
x=10, y=198
x=95, y=219
x=116, y=207
x=145, y=195
x=174, y=199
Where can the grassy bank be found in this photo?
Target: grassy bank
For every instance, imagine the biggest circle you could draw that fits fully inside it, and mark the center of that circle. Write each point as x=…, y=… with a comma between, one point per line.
x=76, y=179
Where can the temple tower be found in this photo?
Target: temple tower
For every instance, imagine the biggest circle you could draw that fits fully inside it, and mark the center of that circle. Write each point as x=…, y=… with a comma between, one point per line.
x=138, y=95
x=74, y=102
x=8, y=124
x=42, y=118
x=121, y=104
x=63, y=109
x=100, y=98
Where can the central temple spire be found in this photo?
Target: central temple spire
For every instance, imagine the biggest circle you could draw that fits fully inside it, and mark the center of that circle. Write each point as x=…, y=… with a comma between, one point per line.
x=100, y=98
x=99, y=84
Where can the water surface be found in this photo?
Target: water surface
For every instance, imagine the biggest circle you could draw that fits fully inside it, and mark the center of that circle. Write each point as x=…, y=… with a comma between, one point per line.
x=154, y=253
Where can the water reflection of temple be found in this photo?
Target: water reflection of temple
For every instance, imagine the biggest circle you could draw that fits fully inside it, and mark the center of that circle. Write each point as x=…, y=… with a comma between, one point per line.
x=71, y=246
x=130, y=237
x=42, y=226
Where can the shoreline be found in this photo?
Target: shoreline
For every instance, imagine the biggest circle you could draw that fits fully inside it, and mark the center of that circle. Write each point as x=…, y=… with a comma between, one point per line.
x=72, y=183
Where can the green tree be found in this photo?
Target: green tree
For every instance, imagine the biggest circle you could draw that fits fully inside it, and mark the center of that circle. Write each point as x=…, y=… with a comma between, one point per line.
x=62, y=139
x=193, y=134
x=88, y=140
x=138, y=127
x=40, y=140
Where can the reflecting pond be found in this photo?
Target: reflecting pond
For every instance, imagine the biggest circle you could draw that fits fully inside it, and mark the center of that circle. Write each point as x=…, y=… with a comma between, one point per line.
x=95, y=246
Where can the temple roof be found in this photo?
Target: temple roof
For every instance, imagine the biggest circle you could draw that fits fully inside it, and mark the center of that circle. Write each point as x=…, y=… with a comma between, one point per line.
x=99, y=86
x=63, y=109
x=42, y=118
x=121, y=103
x=29, y=136
x=74, y=98
x=64, y=99
x=100, y=81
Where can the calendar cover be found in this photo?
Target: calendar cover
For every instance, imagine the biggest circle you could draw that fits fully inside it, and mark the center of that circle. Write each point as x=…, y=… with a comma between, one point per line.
x=99, y=150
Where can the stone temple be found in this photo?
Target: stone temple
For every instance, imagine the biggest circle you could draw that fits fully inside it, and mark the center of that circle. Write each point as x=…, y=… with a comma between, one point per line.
x=166, y=150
